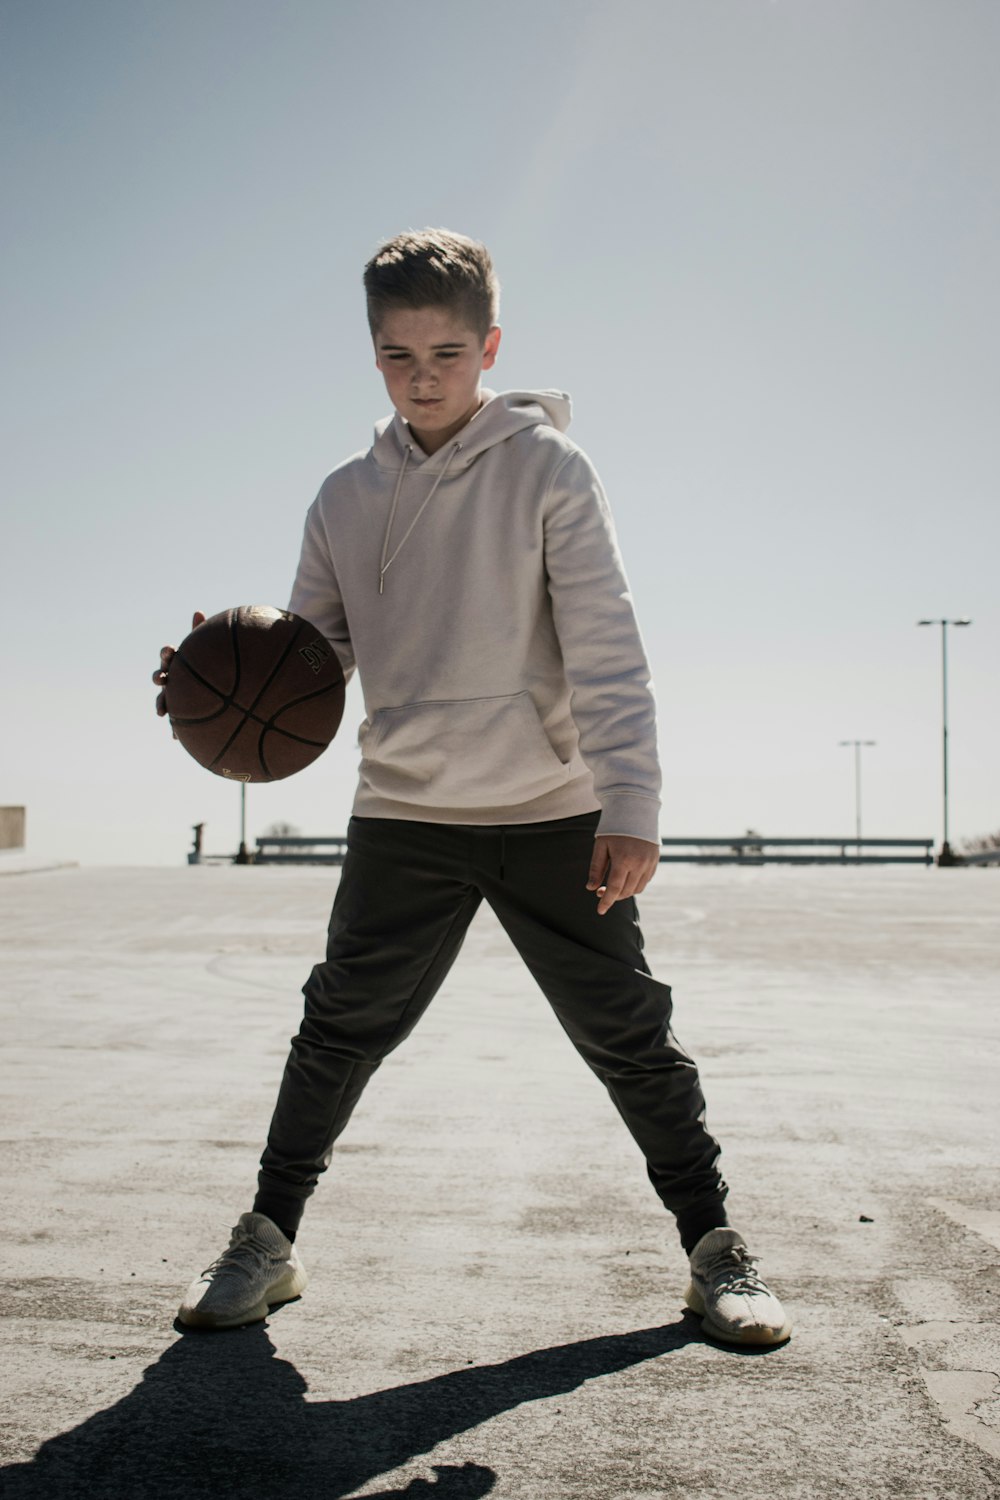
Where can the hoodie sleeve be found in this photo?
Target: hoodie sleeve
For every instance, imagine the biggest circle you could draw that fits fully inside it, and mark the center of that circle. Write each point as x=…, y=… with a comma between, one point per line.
x=605, y=663
x=316, y=593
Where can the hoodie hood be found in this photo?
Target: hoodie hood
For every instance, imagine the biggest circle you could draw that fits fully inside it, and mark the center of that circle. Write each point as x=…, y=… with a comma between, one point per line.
x=500, y=417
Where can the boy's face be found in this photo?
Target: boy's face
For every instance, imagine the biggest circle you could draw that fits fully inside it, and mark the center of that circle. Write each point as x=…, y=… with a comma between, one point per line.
x=431, y=362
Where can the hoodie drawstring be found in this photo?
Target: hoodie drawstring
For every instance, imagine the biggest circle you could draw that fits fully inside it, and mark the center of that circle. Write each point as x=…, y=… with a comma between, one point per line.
x=392, y=516
x=386, y=562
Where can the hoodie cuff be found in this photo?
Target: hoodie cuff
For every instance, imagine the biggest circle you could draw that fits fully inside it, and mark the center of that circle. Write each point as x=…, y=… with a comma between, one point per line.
x=630, y=815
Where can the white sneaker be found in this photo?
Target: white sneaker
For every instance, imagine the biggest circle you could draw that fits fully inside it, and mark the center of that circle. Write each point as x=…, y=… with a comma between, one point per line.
x=258, y=1270
x=732, y=1299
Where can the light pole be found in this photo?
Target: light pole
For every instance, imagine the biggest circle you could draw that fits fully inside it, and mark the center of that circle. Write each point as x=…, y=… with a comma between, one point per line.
x=857, y=784
x=243, y=857
x=945, y=857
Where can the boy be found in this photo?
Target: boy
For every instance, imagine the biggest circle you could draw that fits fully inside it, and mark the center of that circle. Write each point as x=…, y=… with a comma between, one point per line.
x=467, y=566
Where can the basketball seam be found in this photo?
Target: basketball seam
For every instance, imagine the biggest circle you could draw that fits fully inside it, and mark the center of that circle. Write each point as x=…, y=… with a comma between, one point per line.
x=227, y=698
x=266, y=725
x=248, y=713
x=263, y=689
x=300, y=739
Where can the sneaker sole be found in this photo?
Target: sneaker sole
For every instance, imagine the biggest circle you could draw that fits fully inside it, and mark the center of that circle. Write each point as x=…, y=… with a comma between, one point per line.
x=287, y=1290
x=755, y=1333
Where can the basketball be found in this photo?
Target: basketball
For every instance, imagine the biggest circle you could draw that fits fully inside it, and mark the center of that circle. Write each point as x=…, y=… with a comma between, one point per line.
x=255, y=693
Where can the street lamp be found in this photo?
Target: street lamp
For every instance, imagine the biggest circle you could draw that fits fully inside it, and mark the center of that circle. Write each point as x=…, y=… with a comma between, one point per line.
x=945, y=857
x=243, y=857
x=857, y=784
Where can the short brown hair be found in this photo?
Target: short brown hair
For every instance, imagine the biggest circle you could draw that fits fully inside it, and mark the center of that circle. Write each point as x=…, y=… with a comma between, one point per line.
x=433, y=268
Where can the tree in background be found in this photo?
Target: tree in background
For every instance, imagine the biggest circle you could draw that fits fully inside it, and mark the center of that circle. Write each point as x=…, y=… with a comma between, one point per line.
x=982, y=843
x=282, y=830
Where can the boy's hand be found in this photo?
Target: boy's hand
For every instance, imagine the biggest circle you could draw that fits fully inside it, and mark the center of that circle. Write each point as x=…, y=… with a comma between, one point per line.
x=160, y=675
x=621, y=867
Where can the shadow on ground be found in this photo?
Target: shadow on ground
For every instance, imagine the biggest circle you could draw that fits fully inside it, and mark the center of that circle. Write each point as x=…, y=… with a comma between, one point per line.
x=221, y=1416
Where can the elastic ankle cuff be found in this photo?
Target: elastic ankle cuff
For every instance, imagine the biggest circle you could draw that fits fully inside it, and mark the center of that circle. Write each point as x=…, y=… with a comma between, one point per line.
x=285, y=1212
x=693, y=1226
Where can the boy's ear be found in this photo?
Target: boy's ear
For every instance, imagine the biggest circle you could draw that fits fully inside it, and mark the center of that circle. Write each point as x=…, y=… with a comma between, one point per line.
x=490, y=348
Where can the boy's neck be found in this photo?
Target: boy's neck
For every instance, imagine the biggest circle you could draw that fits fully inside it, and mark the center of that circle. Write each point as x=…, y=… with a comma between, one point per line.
x=431, y=442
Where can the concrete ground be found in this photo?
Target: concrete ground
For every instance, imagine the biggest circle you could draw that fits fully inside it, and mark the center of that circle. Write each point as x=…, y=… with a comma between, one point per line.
x=496, y=1297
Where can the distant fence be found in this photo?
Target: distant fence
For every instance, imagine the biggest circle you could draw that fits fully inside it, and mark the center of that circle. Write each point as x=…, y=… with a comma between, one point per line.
x=12, y=827
x=286, y=849
x=981, y=857
x=757, y=850
x=750, y=849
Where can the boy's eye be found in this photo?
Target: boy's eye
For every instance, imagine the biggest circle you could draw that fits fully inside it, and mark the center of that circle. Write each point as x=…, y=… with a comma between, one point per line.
x=398, y=356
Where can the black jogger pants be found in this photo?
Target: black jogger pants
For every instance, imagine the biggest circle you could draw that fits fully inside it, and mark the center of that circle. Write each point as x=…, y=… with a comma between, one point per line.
x=407, y=894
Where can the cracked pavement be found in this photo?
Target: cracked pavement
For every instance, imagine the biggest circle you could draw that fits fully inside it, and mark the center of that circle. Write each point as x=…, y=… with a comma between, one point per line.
x=495, y=1305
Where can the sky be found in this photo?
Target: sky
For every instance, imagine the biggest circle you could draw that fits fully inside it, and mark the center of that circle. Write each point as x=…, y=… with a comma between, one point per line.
x=756, y=240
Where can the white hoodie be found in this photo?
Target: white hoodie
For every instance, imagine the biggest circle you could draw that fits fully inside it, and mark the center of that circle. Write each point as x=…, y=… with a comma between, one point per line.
x=481, y=595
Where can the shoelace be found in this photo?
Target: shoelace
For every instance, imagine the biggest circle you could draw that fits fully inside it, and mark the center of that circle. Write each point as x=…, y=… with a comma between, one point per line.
x=737, y=1268
x=243, y=1255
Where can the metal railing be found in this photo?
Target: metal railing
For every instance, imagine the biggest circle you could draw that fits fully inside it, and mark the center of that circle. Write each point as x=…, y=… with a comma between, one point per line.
x=287, y=849
x=757, y=850
x=979, y=857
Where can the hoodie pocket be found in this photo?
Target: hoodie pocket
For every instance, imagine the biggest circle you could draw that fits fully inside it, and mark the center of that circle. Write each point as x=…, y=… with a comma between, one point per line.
x=467, y=752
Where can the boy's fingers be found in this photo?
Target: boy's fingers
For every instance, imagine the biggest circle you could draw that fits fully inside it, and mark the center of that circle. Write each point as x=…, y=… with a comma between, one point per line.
x=160, y=679
x=611, y=885
x=622, y=881
x=615, y=890
x=621, y=867
x=166, y=657
x=598, y=864
x=167, y=654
